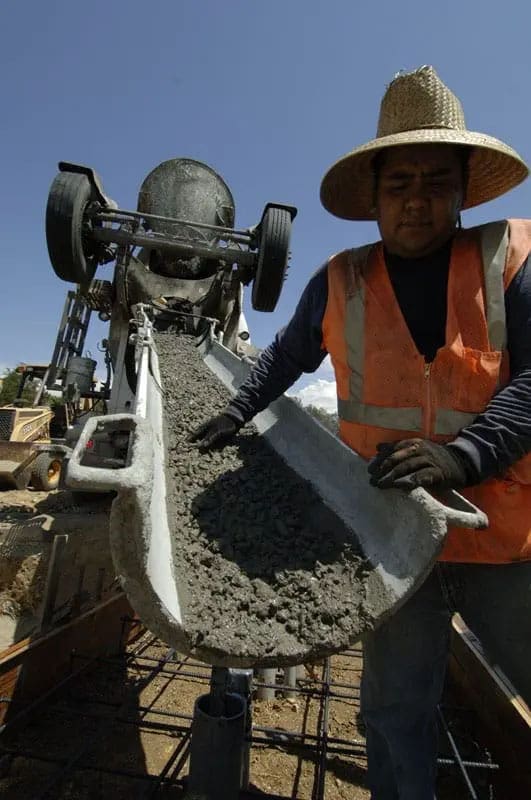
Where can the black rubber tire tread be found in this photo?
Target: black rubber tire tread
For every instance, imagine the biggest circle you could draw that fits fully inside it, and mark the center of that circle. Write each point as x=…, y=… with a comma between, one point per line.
x=272, y=259
x=69, y=195
x=40, y=479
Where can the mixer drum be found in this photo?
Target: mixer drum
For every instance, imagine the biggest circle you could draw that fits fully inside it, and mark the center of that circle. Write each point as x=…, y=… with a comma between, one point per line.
x=188, y=190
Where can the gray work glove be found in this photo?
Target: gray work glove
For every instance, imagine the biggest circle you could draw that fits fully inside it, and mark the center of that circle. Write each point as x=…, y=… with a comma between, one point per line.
x=215, y=432
x=418, y=462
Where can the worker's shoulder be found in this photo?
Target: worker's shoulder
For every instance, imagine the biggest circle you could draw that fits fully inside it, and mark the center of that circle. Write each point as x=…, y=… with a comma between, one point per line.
x=506, y=243
x=351, y=255
x=513, y=226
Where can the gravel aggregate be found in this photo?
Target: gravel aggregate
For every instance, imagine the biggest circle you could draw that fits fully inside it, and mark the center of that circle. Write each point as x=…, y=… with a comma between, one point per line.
x=262, y=565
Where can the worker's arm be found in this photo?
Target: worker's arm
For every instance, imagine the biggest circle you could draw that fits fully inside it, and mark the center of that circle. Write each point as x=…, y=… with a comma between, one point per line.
x=297, y=348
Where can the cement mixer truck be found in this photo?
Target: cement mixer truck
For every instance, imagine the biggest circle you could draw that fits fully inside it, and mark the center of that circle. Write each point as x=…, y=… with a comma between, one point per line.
x=275, y=551
x=177, y=345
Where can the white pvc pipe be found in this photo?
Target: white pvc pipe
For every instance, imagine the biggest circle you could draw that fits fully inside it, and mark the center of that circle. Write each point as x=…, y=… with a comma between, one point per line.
x=290, y=679
x=266, y=676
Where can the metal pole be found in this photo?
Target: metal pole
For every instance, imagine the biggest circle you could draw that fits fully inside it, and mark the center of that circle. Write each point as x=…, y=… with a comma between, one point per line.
x=218, y=741
x=119, y=236
x=240, y=681
x=116, y=215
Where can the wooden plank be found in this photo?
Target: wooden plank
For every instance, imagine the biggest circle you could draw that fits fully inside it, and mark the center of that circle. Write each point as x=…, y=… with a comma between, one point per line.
x=53, y=578
x=30, y=668
x=504, y=715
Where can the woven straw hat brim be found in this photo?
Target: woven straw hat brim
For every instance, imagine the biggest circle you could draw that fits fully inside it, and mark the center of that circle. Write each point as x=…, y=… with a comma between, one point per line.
x=347, y=189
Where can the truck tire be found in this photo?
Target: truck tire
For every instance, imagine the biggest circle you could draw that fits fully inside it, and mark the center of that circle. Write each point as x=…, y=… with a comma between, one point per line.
x=72, y=255
x=272, y=260
x=46, y=472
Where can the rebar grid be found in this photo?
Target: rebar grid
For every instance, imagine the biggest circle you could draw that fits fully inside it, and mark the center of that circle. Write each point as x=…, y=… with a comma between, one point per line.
x=149, y=660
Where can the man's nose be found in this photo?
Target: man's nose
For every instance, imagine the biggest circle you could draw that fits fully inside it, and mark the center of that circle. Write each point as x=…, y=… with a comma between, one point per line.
x=416, y=196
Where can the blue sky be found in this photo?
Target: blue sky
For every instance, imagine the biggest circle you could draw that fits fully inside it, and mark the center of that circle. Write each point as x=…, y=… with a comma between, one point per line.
x=269, y=94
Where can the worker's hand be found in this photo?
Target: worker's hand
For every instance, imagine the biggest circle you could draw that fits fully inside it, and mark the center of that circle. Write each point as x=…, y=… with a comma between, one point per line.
x=215, y=432
x=417, y=462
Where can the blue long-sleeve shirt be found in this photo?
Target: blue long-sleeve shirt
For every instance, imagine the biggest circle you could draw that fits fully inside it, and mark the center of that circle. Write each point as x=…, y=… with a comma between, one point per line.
x=497, y=437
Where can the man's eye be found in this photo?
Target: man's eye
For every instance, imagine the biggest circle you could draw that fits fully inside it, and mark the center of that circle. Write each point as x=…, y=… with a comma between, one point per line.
x=442, y=183
x=437, y=187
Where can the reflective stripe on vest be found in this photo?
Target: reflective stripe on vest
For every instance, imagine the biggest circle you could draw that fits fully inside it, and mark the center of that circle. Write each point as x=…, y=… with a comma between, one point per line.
x=448, y=421
x=494, y=243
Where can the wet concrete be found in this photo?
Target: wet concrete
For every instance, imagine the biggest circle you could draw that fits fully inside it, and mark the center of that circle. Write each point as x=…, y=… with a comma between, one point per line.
x=262, y=565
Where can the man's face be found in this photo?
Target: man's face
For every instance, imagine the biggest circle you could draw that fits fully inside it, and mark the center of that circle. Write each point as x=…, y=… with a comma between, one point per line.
x=419, y=194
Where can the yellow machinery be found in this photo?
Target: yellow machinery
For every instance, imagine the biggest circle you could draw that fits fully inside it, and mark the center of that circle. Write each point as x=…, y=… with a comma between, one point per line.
x=27, y=454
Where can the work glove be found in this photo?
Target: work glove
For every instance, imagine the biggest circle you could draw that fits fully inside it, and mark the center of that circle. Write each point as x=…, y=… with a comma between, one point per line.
x=417, y=462
x=215, y=432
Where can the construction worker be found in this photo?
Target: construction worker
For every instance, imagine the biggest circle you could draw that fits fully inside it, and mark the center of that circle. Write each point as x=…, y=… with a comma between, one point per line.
x=428, y=331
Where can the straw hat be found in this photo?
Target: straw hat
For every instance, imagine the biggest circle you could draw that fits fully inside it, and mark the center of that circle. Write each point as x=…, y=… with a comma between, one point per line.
x=417, y=108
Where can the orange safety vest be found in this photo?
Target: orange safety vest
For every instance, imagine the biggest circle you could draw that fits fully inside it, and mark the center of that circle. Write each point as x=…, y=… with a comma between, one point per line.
x=387, y=392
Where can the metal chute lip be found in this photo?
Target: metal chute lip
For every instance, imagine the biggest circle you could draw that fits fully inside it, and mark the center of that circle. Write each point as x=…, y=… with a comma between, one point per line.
x=457, y=509
x=135, y=475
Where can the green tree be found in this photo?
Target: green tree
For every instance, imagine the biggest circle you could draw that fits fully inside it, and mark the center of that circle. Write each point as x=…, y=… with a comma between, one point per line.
x=10, y=383
x=329, y=421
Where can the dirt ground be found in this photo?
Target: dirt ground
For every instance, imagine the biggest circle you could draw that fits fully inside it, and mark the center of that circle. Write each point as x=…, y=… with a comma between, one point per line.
x=128, y=716
x=276, y=767
x=29, y=520
x=138, y=746
x=132, y=717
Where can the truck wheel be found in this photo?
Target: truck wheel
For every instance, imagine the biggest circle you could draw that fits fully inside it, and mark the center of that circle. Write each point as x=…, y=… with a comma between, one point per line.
x=272, y=258
x=46, y=472
x=71, y=252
